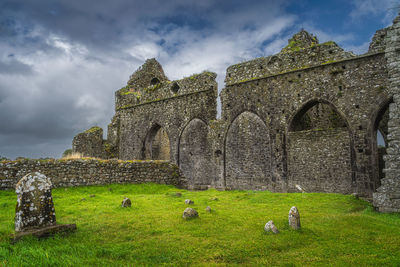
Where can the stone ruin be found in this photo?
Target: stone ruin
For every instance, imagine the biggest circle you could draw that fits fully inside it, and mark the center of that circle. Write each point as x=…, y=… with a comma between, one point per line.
x=307, y=116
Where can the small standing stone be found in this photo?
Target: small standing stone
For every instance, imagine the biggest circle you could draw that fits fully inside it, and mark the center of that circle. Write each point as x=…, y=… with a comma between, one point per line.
x=126, y=203
x=189, y=213
x=270, y=226
x=208, y=209
x=294, y=218
x=189, y=202
x=35, y=208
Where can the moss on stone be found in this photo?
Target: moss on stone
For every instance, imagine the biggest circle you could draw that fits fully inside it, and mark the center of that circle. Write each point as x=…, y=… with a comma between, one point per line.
x=93, y=129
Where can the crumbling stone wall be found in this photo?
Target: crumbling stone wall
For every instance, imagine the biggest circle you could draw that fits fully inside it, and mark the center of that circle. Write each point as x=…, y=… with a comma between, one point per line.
x=387, y=197
x=69, y=173
x=308, y=115
x=89, y=143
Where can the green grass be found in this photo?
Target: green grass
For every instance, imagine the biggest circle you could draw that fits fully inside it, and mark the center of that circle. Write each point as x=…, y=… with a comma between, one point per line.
x=337, y=230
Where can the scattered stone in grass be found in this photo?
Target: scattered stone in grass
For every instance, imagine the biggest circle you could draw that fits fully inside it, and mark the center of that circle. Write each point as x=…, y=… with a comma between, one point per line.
x=189, y=202
x=208, y=209
x=92, y=195
x=270, y=226
x=214, y=198
x=190, y=213
x=126, y=203
x=178, y=194
x=355, y=195
x=294, y=218
x=83, y=199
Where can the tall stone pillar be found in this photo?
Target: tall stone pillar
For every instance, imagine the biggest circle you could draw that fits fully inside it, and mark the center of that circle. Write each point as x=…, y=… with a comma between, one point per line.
x=387, y=197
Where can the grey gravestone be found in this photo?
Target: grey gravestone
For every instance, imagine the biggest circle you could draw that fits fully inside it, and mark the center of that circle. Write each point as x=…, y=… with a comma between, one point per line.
x=35, y=207
x=294, y=218
x=35, y=214
x=270, y=226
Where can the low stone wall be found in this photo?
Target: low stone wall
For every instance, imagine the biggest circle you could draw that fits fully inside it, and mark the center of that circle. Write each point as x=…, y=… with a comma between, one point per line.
x=69, y=173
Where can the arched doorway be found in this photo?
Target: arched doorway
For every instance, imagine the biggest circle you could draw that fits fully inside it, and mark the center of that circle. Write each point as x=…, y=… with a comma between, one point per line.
x=194, y=154
x=156, y=145
x=247, y=153
x=319, y=154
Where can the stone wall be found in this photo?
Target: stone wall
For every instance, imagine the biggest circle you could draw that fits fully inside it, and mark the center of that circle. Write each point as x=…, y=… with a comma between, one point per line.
x=248, y=154
x=195, y=155
x=89, y=143
x=68, y=173
x=172, y=114
x=387, y=197
x=320, y=161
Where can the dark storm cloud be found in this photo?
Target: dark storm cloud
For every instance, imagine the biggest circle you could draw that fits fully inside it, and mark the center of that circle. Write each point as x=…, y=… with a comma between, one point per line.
x=15, y=67
x=104, y=23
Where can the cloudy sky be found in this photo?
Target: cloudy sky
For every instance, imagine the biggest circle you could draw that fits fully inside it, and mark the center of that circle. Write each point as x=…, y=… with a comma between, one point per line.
x=62, y=60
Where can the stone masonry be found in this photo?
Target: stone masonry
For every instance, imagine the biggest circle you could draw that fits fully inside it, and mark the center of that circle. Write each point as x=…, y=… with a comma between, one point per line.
x=69, y=173
x=387, y=197
x=307, y=116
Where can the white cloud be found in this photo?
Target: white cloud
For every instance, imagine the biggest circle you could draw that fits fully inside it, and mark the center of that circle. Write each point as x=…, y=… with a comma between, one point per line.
x=364, y=8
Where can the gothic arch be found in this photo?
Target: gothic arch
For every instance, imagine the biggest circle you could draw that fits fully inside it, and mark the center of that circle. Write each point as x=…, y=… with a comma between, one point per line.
x=307, y=106
x=194, y=154
x=156, y=145
x=320, y=153
x=247, y=153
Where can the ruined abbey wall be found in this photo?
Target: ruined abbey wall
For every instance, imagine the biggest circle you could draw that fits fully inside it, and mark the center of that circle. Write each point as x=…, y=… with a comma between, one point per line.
x=306, y=117
x=69, y=173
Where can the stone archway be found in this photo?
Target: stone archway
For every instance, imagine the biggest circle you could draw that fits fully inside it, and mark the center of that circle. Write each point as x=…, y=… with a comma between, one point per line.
x=156, y=145
x=319, y=154
x=194, y=154
x=247, y=153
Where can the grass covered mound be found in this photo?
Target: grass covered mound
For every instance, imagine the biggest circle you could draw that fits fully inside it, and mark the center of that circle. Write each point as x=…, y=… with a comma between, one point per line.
x=336, y=229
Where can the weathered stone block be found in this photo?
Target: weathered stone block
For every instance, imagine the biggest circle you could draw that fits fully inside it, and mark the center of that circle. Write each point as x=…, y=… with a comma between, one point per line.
x=35, y=207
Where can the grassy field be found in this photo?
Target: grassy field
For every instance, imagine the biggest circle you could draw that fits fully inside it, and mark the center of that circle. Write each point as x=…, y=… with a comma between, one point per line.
x=337, y=230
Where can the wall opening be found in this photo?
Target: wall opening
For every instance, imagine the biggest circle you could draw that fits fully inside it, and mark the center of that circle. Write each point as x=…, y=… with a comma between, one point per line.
x=319, y=154
x=154, y=81
x=156, y=145
x=175, y=88
x=379, y=143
